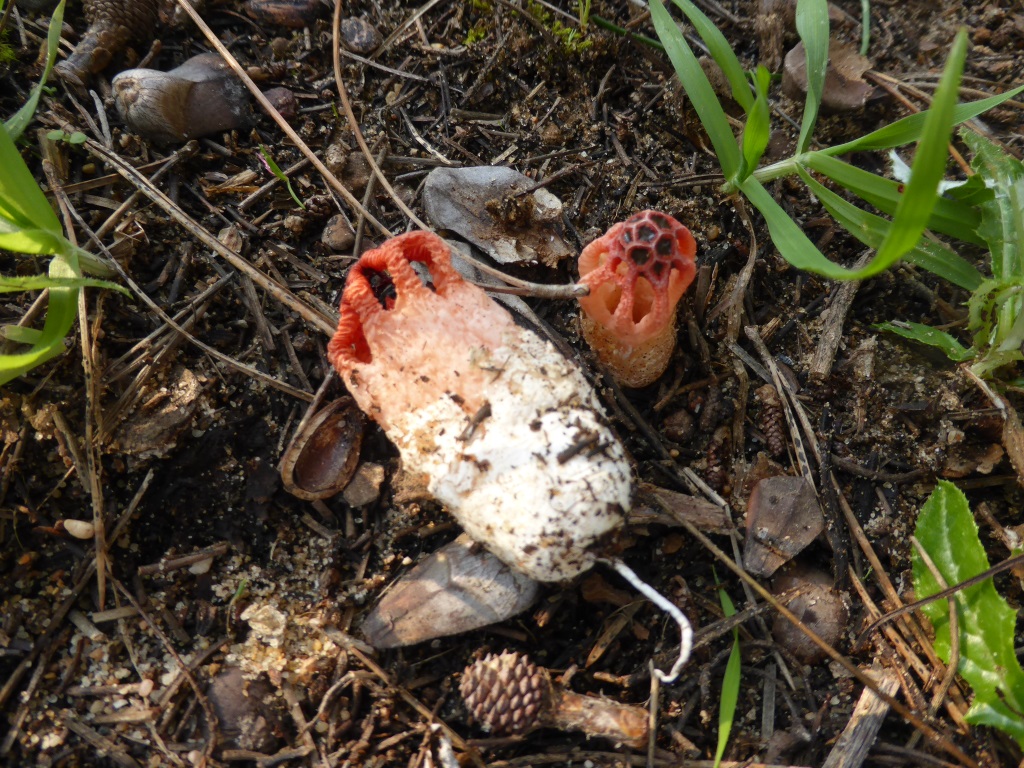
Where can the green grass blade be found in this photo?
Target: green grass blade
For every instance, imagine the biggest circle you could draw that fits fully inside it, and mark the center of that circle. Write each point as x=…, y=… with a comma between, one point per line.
x=872, y=230
x=22, y=204
x=933, y=337
x=720, y=51
x=730, y=683
x=949, y=216
x=20, y=120
x=812, y=26
x=39, y=282
x=276, y=170
x=757, y=130
x=948, y=533
x=698, y=88
x=910, y=128
x=794, y=246
x=929, y=166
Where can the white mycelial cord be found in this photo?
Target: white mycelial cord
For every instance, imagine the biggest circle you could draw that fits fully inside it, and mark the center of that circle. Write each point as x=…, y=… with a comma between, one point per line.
x=685, y=630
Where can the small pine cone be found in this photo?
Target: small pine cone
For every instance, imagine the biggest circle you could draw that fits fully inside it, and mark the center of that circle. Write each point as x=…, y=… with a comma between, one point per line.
x=773, y=420
x=506, y=693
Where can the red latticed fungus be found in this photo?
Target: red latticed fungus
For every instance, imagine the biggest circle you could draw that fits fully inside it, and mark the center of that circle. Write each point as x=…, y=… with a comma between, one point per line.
x=508, y=694
x=508, y=432
x=637, y=272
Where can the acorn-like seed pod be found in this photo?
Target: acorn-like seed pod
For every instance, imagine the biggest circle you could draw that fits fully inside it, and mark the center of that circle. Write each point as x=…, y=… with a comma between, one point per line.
x=200, y=97
x=113, y=26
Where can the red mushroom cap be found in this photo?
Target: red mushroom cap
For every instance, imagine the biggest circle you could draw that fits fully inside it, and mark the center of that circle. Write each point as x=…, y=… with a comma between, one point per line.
x=637, y=272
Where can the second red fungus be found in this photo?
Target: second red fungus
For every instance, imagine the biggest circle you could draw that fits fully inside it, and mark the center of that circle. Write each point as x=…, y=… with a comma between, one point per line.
x=637, y=272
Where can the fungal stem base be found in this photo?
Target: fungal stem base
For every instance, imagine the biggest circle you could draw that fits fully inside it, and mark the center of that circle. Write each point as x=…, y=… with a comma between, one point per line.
x=685, y=630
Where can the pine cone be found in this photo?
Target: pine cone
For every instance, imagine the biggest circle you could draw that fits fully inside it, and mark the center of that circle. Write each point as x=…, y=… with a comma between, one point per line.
x=507, y=693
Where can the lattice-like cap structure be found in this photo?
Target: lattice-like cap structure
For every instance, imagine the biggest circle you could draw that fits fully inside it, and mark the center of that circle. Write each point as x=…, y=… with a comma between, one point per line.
x=637, y=272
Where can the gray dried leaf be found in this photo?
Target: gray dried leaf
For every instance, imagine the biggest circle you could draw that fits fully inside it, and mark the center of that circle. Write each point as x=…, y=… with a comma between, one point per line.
x=783, y=517
x=459, y=588
x=489, y=207
x=845, y=89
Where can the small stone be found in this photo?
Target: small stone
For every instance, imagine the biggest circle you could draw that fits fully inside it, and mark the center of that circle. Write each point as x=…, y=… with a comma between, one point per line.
x=338, y=234
x=335, y=156
x=817, y=604
x=80, y=529
x=248, y=711
x=356, y=172
x=678, y=426
x=364, y=489
x=284, y=101
x=360, y=36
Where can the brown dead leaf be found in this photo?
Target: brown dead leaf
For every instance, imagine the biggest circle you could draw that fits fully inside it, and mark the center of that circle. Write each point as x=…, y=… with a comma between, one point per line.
x=845, y=89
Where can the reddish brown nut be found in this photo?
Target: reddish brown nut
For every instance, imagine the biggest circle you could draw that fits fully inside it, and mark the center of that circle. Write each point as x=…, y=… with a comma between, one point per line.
x=509, y=694
x=637, y=272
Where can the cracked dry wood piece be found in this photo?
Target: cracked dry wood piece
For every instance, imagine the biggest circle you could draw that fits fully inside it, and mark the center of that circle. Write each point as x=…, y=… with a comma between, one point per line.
x=852, y=747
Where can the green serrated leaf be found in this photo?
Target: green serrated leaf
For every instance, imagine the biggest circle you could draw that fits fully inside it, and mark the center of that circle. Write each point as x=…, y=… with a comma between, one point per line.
x=948, y=533
x=933, y=337
x=1002, y=216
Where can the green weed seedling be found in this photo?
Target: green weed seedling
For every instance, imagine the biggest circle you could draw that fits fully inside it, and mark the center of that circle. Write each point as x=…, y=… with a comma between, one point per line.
x=275, y=169
x=28, y=225
x=730, y=681
x=74, y=139
x=913, y=209
x=996, y=307
x=986, y=623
